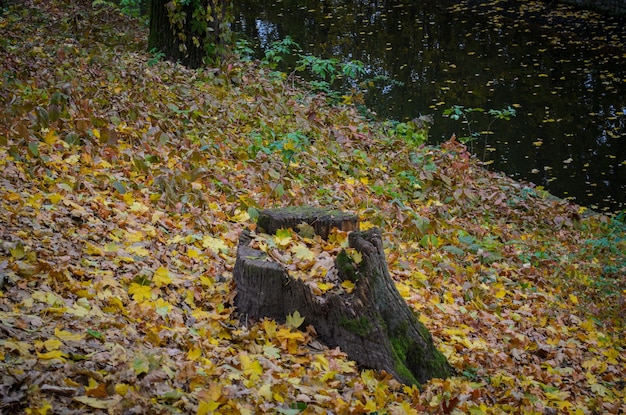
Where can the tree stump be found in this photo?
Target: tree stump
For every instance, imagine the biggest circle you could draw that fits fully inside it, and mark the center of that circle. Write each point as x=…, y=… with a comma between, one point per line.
x=373, y=325
x=322, y=220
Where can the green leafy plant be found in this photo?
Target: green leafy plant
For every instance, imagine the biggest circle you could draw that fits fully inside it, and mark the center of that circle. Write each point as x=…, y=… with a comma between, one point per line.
x=288, y=145
x=461, y=113
x=353, y=69
x=277, y=51
x=613, y=243
x=243, y=49
x=132, y=8
x=157, y=56
x=413, y=132
x=326, y=69
x=321, y=72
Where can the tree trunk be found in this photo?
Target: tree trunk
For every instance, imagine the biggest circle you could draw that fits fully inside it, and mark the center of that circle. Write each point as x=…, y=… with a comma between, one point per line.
x=162, y=37
x=373, y=324
x=199, y=32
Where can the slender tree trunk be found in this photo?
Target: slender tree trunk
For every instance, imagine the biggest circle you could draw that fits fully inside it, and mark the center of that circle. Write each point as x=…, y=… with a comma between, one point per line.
x=162, y=36
x=192, y=33
x=185, y=46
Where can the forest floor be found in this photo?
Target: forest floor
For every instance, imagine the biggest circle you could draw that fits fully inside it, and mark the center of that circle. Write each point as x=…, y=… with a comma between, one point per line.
x=126, y=182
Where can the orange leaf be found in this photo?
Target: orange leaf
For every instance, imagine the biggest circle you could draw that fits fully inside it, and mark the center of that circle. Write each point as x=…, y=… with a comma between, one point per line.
x=97, y=392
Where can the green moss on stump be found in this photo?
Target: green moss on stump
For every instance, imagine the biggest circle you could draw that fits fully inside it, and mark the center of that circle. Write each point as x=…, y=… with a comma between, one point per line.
x=360, y=326
x=346, y=267
x=408, y=356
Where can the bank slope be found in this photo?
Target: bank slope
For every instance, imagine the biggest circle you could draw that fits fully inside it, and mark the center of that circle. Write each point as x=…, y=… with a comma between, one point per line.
x=126, y=183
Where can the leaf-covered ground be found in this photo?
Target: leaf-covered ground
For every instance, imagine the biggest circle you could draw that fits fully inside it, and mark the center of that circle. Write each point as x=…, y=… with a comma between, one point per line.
x=126, y=183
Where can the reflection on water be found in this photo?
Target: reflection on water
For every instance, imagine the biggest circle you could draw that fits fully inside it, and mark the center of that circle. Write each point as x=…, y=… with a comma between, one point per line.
x=564, y=72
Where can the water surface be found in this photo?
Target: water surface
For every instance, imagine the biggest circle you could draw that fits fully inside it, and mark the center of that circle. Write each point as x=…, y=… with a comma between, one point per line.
x=561, y=68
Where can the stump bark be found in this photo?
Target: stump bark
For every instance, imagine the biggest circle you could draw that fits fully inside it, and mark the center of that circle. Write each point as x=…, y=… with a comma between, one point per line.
x=322, y=220
x=373, y=325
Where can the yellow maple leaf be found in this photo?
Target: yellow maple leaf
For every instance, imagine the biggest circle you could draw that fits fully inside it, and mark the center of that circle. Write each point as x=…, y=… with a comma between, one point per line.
x=138, y=207
x=43, y=408
x=67, y=335
x=500, y=291
x=295, y=320
x=91, y=249
x=200, y=314
x=404, y=408
x=283, y=237
x=193, y=253
x=366, y=225
x=601, y=390
x=51, y=137
x=456, y=331
x=122, y=389
x=161, y=277
x=289, y=339
x=194, y=354
x=287, y=334
x=356, y=256
x=128, y=199
x=370, y=406
x=207, y=407
x=240, y=216
x=52, y=344
x=77, y=309
x=251, y=367
x=206, y=281
x=424, y=319
x=138, y=250
x=302, y=252
x=125, y=259
x=162, y=307
x=94, y=402
x=270, y=327
x=348, y=286
x=133, y=237
x=54, y=354
x=214, y=244
x=265, y=391
x=55, y=198
x=338, y=237
x=404, y=290
x=612, y=355
x=112, y=247
x=325, y=286
x=23, y=348
x=588, y=325
x=176, y=239
x=139, y=292
x=559, y=398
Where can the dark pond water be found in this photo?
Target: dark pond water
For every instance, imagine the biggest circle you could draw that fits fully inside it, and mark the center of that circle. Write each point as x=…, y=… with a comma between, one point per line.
x=561, y=68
